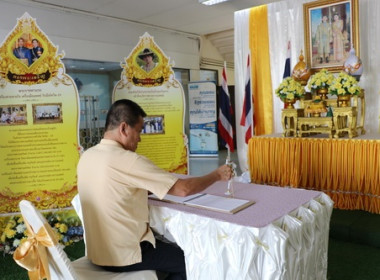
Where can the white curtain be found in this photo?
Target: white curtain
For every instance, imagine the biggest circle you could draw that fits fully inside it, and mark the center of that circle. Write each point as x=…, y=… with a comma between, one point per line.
x=241, y=54
x=286, y=23
x=369, y=30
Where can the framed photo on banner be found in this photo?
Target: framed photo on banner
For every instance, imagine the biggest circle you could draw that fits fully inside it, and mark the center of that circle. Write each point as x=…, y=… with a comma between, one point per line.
x=331, y=29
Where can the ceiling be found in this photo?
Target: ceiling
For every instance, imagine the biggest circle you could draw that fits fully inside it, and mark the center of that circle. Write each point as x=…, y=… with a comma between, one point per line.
x=215, y=22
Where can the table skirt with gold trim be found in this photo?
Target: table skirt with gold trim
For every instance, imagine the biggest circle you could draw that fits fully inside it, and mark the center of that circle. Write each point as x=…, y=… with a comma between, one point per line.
x=348, y=170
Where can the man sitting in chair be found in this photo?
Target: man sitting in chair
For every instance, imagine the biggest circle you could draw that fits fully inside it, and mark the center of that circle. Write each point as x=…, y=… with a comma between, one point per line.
x=113, y=184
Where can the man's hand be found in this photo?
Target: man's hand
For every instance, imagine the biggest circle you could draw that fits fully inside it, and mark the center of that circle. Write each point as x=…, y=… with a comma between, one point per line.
x=192, y=185
x=225, y=172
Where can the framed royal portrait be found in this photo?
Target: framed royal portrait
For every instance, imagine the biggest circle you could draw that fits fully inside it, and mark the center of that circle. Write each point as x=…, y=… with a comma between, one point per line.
x=331, y=29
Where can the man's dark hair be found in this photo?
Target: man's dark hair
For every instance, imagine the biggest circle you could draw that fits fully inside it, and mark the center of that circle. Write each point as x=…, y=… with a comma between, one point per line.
x=123, y=110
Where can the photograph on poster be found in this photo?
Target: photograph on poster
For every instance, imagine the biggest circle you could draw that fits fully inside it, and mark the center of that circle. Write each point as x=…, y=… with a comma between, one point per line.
x=47, y=113
x=154, y=125
x=147, y=60
x=27, y=49
x=13, y=114
x=330, y=32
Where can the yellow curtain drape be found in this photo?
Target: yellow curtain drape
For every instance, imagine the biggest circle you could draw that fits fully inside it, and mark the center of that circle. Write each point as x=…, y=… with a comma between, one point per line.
x=261, y=76
x=345, y=169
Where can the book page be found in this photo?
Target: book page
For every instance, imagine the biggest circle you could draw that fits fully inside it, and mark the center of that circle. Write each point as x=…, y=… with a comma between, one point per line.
x=219, y=203
x=176, y=199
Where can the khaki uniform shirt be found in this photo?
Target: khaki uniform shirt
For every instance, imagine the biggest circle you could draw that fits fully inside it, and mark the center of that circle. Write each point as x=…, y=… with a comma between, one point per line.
x=113, y=184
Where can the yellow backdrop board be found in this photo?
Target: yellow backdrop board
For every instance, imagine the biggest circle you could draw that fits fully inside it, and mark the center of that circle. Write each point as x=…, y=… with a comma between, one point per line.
x=161, y=96
x=39, y=147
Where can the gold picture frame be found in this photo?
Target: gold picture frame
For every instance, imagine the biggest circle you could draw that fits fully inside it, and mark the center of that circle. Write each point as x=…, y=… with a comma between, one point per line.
x=331, y=28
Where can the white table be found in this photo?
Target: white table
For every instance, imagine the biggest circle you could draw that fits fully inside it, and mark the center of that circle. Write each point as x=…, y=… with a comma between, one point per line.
x=284, y=235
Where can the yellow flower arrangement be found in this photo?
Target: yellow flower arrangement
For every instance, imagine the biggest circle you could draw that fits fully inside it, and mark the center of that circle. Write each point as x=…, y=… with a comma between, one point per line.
x=322, y=79
x=290, y=89
x=67, y=228
x=344, y=84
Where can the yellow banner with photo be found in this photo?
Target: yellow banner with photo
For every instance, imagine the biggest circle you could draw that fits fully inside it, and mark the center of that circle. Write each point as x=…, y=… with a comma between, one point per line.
x=148, y=79
x=39, y=146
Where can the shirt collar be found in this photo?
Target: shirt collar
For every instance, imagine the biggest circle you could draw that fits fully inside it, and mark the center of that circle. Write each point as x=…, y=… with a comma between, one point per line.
x=110, y=143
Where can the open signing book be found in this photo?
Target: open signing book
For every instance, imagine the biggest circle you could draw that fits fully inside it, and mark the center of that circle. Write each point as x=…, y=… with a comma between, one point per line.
x=209, y=201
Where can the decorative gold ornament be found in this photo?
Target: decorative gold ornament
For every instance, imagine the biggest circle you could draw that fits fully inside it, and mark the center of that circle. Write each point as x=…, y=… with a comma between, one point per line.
x=139, y=73
x=289, y=103
x=317, y=107
x=42, y=199
x=315, y=125
x=17, y=65
x=301, y=73
x=344, y=100
x=322, y=92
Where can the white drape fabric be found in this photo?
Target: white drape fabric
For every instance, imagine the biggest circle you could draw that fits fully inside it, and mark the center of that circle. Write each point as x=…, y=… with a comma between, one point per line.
x=286, y=23
x=241, y=53
x=369, y=26
x=290, y=248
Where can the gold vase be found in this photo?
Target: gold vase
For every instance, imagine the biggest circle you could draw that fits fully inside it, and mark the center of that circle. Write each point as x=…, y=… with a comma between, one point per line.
x=344, y=100
x=289, y=103
x=322, y=92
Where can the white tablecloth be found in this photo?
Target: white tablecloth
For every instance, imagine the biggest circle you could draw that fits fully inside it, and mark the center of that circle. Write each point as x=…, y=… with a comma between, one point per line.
x=284, y=235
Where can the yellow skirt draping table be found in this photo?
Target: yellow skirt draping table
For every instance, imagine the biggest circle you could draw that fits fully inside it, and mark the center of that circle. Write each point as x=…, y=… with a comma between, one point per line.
x=348, y=170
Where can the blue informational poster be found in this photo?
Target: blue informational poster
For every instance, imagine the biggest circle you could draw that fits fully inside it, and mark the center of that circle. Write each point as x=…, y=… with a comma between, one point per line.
x=202, y=120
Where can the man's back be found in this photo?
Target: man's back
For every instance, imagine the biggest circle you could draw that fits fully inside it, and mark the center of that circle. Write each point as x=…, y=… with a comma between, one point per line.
x=111, y=184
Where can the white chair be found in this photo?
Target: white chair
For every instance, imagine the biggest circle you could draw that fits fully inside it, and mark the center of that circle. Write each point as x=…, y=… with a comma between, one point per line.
x=78, y=209
x=61, y=268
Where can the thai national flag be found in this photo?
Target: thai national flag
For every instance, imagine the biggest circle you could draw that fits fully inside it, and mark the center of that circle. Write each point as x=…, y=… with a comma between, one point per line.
x=287, y=63
x=247, y=114
x=225, y=114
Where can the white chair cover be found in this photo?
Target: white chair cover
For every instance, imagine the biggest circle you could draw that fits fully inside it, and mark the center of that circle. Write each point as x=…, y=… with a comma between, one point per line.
x=60, y=266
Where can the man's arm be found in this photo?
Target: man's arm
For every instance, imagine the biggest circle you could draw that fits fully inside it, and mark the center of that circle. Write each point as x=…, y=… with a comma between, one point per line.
x=185, y=187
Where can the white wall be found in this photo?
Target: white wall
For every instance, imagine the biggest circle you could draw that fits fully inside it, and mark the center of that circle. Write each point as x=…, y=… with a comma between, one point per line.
x=101, y=39
x=208, y=50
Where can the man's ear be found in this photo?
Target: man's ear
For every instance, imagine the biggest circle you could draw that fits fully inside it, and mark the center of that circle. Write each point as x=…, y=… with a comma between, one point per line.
x=123, y=128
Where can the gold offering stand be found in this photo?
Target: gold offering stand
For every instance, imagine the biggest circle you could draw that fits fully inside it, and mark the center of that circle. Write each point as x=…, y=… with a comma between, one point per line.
x=289, y=120
x=305, y=121
x=307, y=125
x=361, y=113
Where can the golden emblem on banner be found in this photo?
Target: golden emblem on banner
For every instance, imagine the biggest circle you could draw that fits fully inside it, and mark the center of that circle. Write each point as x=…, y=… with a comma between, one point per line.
x=27, y=56
x=147, y=65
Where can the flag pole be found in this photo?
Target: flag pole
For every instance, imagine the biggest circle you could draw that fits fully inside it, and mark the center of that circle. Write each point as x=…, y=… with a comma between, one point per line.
x=228, y=159
x=230, y=190
x=251, y=96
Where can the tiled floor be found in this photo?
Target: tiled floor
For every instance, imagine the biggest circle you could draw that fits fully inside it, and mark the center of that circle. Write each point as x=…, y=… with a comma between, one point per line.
x=203, y=165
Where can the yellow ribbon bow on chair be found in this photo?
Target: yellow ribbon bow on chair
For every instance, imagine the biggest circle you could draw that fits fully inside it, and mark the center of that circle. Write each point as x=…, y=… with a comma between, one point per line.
x=32, y=254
